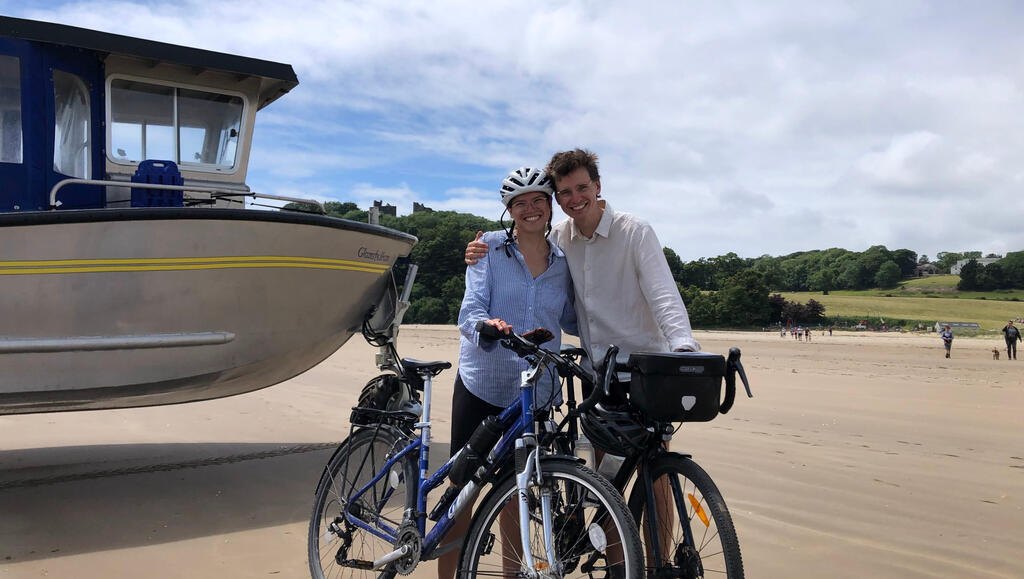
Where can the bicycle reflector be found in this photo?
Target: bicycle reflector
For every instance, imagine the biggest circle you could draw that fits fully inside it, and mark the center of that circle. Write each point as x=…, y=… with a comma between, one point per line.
x=597, y=537
x=699, y=510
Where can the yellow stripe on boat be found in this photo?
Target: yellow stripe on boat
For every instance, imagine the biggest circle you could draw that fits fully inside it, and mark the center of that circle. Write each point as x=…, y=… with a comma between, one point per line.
x=182, y=263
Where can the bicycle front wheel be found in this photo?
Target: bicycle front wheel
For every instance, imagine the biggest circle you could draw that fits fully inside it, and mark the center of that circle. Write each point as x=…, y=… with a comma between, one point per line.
x=333, y=541
x=696, y=536
x=593, y=533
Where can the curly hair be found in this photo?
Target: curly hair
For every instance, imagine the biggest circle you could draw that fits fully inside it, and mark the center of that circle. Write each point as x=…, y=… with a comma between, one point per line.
x=566, y=162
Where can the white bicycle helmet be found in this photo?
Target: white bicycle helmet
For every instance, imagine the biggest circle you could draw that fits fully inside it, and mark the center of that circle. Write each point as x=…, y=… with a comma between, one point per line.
x=525, y=180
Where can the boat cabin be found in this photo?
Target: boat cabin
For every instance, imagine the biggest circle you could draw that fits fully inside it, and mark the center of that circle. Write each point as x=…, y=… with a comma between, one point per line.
x=92, y=106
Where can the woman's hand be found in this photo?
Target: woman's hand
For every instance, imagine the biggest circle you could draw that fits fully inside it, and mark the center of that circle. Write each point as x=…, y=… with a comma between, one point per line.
x=499, y=324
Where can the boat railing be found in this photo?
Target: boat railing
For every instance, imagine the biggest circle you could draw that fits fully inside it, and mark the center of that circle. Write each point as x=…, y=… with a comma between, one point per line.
x=214, y=192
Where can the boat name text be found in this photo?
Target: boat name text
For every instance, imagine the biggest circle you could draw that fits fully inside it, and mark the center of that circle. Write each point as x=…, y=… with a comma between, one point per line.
x=377, y=255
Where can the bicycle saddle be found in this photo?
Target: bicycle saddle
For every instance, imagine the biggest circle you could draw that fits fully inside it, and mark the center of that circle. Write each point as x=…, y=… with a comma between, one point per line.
x=419, y=366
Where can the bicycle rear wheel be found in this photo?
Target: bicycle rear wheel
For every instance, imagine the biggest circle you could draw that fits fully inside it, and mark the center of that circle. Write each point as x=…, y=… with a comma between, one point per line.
x=698, y=539
x=332, y=539
x=593, y=533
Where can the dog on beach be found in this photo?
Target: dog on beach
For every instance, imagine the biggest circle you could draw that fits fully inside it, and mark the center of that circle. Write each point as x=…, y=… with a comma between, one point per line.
x=995, y=353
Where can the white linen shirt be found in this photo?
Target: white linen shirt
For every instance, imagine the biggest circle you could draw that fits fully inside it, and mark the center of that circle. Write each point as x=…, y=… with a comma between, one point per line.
x=625, y=294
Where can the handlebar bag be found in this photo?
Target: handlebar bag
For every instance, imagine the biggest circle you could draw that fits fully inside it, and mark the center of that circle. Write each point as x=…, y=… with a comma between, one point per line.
x=677, y=386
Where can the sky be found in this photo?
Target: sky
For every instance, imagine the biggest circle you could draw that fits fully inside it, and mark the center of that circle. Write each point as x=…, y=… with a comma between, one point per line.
x=747, y=127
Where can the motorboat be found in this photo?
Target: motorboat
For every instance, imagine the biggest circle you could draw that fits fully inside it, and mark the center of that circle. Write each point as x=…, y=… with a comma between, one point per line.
x=132, y=273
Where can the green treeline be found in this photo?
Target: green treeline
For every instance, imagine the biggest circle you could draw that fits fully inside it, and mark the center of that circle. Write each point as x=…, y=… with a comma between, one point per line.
x=1007, y=273
x=819, y=270
x=723, y=291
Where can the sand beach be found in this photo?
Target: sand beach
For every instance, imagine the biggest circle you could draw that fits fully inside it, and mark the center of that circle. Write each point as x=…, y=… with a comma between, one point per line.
x=861, y=455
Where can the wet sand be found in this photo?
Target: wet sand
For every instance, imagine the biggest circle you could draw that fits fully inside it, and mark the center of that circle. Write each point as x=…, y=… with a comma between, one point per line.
x=861, y=455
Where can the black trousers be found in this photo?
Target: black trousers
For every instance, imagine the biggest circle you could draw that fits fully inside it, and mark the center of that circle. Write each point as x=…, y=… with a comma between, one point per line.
x=468, y=411
x=1011, y=349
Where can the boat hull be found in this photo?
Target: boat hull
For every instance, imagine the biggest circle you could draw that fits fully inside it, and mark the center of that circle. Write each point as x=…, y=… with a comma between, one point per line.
x=111, y=309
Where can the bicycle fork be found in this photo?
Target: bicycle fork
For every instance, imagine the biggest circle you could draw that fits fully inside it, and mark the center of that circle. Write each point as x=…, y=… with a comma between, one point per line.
x=528, y=475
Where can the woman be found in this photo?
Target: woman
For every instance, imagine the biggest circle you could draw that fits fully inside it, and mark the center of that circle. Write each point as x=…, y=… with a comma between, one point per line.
x=523, y=282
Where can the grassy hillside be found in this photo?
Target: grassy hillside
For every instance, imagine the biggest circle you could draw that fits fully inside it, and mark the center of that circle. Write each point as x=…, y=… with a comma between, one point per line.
x=945, y=286
x=933, y=282
x=936, y=286
x=989, y=313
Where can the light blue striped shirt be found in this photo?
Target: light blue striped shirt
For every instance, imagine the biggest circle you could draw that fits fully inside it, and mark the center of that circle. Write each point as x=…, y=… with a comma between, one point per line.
x=500, y=286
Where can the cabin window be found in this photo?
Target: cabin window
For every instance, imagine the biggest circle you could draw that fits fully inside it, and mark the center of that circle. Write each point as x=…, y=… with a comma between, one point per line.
x=192, y=127
x=142, y=121
x=10, y=109
x=208, y=127
x=71, y=125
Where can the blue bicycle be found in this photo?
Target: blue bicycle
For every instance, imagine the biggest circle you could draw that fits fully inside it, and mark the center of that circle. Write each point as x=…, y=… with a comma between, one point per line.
x=544, y=515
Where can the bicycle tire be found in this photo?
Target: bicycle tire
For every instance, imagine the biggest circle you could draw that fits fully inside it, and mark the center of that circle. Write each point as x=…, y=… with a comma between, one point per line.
x=583, y=499
x=357, y=461
x=716, y=549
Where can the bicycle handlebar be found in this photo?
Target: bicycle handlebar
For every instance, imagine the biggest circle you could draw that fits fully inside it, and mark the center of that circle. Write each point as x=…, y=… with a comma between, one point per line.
x=599, y=393
x=523, y=346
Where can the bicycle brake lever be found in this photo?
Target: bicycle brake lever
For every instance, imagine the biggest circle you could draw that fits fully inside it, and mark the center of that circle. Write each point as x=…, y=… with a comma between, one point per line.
x=735, y=364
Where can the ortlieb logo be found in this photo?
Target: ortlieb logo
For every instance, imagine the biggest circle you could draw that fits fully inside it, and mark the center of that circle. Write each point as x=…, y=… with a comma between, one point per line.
x=691, y=369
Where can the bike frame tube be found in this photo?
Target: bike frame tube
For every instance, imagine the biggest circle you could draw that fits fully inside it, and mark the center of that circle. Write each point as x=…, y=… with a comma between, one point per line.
x=515, y=425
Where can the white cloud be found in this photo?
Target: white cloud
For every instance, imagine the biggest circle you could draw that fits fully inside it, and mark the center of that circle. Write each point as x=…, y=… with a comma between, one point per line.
x=728, y=126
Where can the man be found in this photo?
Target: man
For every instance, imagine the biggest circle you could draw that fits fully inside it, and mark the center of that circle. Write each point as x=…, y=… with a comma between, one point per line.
x=1012, y=335
x=625, y=294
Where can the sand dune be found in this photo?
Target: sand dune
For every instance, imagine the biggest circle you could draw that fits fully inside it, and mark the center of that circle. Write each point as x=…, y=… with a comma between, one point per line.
x=861, y=455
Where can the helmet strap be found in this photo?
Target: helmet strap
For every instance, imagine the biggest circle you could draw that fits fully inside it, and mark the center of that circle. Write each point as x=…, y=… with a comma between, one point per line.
x=509, y=235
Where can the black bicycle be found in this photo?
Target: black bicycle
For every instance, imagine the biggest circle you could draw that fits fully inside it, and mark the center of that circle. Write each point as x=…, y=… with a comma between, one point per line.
x=685, y=525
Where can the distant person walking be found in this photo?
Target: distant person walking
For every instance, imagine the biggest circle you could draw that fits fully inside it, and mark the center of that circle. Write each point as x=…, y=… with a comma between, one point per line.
x=1012, y=336
x=947, y=339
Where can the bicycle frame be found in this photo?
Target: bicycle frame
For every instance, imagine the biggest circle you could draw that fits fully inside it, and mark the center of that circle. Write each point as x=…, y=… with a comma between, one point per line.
x=517, y=420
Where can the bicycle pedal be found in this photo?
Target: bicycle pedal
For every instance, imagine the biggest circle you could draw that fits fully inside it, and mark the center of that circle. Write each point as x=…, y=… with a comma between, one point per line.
x=357, y=564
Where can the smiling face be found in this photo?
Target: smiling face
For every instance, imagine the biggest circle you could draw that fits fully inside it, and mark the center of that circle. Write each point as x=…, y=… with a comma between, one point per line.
x=531, y=212
x=577, y=194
